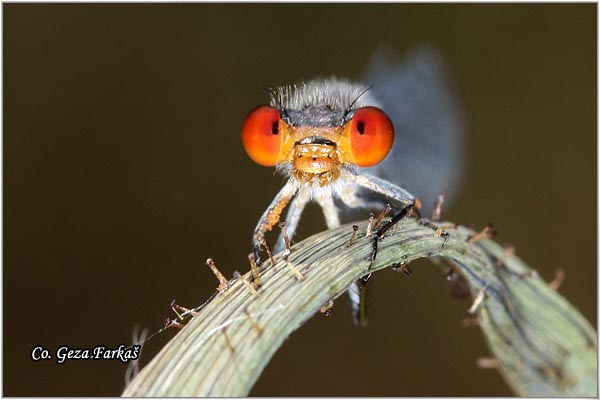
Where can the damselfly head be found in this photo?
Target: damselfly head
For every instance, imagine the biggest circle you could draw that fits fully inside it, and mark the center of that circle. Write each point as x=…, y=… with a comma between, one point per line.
x=318, y=128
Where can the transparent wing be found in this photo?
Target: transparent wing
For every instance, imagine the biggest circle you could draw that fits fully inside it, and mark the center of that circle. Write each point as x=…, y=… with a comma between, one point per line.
x=420, y=98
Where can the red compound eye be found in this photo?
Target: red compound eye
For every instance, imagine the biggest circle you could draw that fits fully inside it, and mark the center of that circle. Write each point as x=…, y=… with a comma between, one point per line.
x=261, y=135
x=371, y=136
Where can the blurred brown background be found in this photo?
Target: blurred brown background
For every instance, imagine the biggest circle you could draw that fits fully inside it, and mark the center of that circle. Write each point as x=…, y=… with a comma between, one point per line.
x=124, y=171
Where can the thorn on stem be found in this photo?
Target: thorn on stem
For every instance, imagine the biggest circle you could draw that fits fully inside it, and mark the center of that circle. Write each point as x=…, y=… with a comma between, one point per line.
x=227, y=341
x=559, y=278
x=436, y=215
x=382, y=215
x=487, y=232
x=478, y=300
x=509, y=251
x=354, y=230
x=370, y=225
x=254, y=324
x=223, y=282
x=176, y=307
x=171, y=323
x=487, y=363
x=288, y=251
x=294, y=270
x=248, y=285
x=466, y=322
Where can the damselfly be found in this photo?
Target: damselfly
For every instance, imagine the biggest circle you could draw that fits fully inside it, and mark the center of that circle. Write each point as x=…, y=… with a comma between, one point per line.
x=331, y=138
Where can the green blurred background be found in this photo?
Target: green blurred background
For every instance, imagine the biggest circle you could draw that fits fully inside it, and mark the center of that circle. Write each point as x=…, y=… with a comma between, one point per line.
x=123, y=172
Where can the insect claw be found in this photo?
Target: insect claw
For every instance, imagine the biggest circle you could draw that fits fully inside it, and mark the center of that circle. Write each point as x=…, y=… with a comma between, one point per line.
x=373, y=252
x=256, y=255
x=326, y=310
x=380, y=232
x=254, y=269
x=286, y=238
x=403, y=267
x=263, y=242
x=446, y=236
x=397, y=217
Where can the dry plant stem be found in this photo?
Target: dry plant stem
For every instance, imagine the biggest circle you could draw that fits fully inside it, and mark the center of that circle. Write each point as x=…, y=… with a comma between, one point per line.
x=543, y=346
